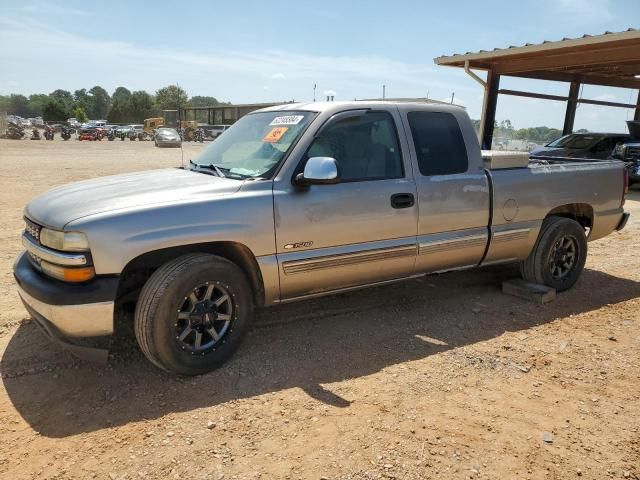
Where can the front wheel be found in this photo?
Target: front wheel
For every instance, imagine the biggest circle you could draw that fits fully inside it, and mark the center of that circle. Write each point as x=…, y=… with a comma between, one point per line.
x=193, y=313
x=559, y=255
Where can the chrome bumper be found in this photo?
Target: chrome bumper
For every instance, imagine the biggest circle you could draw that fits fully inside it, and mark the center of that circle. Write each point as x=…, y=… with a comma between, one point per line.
x=84, y=320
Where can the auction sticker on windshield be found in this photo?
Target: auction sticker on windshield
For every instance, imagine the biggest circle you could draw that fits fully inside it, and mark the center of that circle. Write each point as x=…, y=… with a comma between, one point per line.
x=275, y=134
x=287, y=120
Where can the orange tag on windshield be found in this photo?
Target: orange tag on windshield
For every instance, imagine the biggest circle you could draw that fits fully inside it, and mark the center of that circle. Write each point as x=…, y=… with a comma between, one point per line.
x=275, y=134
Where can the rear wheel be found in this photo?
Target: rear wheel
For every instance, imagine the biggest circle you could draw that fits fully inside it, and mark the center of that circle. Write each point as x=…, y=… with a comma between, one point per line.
x=559, y=255
x=193, y=313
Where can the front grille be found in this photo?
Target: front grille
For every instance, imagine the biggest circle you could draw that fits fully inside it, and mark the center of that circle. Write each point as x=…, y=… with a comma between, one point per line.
x=32, y=229
x=35, y=260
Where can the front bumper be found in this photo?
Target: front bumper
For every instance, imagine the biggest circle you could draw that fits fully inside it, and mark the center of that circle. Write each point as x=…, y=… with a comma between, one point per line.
x=68, y=313
x=169, y=143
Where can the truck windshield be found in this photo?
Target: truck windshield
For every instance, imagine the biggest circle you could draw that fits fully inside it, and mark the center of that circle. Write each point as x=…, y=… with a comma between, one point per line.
x=255, y=144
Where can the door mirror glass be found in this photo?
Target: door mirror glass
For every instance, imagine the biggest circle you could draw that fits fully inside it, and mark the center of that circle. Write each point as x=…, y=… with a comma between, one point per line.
x=319, y=171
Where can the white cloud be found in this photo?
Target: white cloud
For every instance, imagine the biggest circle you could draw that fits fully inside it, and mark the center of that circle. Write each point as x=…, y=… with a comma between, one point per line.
x=44, y=8
x=241, y=76
x=586, y=11
x=229, y=73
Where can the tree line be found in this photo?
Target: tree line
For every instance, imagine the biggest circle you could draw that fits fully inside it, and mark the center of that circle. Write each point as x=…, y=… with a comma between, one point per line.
x=122, y=106
x=539, y=135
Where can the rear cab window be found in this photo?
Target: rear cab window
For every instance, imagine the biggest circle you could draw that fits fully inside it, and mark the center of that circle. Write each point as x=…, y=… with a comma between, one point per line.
x=438, y=142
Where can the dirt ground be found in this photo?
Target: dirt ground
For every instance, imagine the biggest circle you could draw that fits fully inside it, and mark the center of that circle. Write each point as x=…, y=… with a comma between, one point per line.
x=437, y=378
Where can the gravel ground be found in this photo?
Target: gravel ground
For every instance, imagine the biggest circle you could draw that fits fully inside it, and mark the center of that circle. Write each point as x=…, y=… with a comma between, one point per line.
x=441, y=377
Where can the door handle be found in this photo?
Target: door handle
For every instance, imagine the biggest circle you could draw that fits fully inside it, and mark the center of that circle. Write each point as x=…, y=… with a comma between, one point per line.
x=402, y=200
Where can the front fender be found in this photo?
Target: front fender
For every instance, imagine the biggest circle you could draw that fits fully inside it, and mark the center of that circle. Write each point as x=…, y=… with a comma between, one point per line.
x=118, y=237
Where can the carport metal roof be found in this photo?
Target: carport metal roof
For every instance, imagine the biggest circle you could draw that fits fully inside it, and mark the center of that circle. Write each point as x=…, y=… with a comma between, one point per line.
x=610, y=59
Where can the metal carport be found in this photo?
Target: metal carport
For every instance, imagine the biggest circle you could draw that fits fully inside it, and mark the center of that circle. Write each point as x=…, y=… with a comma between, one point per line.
x=610, y=59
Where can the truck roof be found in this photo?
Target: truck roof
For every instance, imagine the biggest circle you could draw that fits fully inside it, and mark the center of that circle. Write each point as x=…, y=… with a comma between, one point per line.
x=338, y=106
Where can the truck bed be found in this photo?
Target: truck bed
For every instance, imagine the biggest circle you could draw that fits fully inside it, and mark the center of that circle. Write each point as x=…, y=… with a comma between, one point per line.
x=523, y=197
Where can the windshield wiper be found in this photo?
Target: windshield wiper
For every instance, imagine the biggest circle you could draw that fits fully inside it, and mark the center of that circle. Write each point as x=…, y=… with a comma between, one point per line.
x=219, y=171
x=210, y=166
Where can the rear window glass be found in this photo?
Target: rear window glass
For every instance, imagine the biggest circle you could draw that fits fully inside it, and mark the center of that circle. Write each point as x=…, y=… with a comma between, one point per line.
x=438, y=142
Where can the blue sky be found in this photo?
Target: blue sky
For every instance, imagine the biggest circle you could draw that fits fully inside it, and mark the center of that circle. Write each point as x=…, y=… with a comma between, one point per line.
x=257, y=51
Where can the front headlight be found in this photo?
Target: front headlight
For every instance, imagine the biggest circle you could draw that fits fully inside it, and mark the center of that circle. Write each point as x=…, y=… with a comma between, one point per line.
x=64, y=241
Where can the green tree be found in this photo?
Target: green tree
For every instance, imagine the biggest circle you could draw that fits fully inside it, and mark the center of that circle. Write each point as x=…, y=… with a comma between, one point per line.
x=100, y=102
x=80, y=114
x=506, y=125
x=4, y=103
x=37, y=101
x=64, y=97
x=81, y=99
x=18, y=105
x=120, y=111
x=171, y=97
x=200, y=101
x=142, y=106
x=55, y=111
x=121, y=93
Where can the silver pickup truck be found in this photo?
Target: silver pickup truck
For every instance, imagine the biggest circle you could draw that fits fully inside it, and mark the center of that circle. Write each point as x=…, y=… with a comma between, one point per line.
x=293, y=202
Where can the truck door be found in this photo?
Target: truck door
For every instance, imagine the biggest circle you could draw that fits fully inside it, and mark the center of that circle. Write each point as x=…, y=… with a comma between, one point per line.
x=359, y=231
x=453, y=193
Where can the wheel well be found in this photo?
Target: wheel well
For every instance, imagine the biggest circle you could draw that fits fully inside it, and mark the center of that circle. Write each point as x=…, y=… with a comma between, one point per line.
x=580, y=212
x=138, y=270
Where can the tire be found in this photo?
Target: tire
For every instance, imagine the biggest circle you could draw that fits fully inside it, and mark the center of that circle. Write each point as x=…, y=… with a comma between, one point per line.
x=557, y=268
x=166, y=295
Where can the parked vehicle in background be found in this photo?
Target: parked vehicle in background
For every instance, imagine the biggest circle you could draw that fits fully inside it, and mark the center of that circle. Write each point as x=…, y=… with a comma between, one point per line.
x=136, y=132
x=214, y=131
x=582, y=145
x=123, y=132
x=294, y=202
x=15, y=131
x=88, y=133
x=167, y=137
x=152, y=124
x=73, y=122
x=49, y=132
x=65, y=133
x=629, y=152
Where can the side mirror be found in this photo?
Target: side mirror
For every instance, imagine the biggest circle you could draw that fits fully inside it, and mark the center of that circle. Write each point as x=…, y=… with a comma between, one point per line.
x=319, y=171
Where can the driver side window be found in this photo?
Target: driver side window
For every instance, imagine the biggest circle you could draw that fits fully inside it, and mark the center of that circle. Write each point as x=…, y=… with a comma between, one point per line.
x=366, y=147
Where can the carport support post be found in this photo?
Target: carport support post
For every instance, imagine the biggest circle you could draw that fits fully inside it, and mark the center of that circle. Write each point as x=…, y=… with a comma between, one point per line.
x=636, y=117
x=490, y=105
x=572, y=103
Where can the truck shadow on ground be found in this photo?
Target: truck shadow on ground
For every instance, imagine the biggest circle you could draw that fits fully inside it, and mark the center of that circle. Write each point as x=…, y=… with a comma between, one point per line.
x=305, y=345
